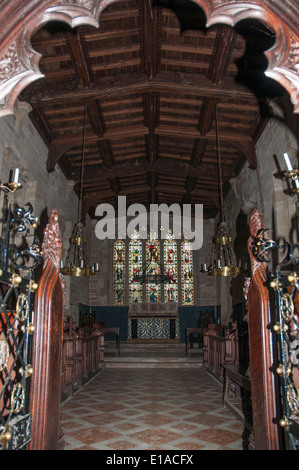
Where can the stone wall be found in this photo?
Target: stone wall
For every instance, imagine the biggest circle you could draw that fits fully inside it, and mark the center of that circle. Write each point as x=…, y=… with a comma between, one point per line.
x=207, y=290
x=265, y=190
x=22, y=147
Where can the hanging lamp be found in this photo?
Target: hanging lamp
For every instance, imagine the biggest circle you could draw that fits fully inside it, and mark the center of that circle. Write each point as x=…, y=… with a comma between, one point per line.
x=76, y=262
x=222, y=259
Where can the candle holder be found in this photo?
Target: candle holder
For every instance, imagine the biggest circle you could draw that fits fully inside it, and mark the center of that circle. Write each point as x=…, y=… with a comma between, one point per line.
x=76, y=263
x=293, y=175
x=13, y=185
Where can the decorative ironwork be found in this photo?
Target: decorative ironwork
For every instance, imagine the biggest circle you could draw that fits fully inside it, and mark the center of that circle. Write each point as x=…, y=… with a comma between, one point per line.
x=286, y=330
x=18, y=261
x=261, y=245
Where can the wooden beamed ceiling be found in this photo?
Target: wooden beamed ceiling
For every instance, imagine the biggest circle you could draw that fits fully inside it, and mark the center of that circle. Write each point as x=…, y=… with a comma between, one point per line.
x=149, y=77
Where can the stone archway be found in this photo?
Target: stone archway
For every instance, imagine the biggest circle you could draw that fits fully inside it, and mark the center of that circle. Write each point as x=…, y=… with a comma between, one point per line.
x=19, y=62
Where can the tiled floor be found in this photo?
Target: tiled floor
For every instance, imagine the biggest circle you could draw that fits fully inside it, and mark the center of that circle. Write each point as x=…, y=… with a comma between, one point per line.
x=150, y=409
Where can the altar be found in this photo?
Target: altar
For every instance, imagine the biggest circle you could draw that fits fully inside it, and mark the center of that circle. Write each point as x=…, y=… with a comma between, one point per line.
x=153, y=322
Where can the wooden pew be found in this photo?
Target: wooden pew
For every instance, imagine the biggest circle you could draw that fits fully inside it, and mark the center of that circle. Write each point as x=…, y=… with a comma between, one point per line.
x=82, y=356
x=219, y=350
x=92, y=351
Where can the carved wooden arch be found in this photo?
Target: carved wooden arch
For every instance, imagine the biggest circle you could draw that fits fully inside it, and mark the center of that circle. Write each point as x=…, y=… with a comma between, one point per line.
x=19, y=62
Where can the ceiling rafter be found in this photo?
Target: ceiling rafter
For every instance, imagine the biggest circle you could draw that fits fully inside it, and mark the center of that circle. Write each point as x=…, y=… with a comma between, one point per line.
x=182, y=83
x=150, y=80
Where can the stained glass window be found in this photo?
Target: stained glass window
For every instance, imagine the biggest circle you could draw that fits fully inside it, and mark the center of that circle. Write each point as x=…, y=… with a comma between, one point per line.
x=171, y=269
x=135, y=268
x=153, y=289
x=119, y=264
x=187, y=273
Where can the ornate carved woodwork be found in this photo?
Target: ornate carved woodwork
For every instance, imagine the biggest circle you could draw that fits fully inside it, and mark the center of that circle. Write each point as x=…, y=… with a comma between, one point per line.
x=19, y=61
x=48, y=341
x=261, y=347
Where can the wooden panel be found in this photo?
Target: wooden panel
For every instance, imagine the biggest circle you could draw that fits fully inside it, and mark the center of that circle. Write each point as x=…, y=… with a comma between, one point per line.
x=47, y=347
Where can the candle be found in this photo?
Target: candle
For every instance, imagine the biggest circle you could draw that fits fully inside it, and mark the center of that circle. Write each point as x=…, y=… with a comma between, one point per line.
x=61, y=264
x=290, y=168
x=82, y=263
x=288, y=162
x=15, y=178
x=97, y=267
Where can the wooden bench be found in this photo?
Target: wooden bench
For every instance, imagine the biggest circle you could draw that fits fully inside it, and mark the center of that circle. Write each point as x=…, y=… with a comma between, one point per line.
x=233, y=373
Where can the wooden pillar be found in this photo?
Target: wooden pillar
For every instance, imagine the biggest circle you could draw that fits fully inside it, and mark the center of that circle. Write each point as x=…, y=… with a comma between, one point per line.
x=261, y=349
x=47, y=345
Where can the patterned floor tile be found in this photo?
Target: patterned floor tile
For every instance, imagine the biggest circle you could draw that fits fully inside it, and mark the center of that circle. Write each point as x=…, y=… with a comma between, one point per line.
x=152, y=409
x=94, y=434
x=155, y=436
x=154, y=419
x=214, y=435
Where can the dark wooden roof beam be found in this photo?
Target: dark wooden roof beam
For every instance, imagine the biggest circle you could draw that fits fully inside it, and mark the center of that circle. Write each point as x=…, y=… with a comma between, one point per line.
x=100, y=35
x=115, y=185
x=151, y=112
x=150, y=37
x=106, y=153
x=223, y=47
x=96, y=117
x=164, y=82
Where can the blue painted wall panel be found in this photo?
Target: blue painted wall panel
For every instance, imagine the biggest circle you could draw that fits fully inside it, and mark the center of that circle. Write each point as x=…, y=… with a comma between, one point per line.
x=118, y=317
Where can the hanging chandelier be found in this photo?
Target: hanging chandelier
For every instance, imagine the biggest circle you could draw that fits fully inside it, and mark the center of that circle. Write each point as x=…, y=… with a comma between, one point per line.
x=222, y=259
x=76, y=262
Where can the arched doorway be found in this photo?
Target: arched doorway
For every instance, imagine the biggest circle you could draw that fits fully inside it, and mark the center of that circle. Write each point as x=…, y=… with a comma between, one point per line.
x=20, y=62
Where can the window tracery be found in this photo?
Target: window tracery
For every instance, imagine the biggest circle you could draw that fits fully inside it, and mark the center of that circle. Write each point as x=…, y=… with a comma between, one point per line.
x=119, y=263
x=177, y=264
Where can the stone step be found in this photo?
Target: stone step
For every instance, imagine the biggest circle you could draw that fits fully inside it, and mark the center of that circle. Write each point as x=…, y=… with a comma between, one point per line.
x=153, y=362
x=128, y=346
x=151, y=355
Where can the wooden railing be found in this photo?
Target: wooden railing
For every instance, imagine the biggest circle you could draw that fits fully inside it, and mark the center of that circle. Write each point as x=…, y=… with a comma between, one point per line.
x=82, y=358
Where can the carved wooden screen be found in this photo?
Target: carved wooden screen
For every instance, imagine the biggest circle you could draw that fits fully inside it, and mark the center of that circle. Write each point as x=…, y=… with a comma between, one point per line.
x=16, y=329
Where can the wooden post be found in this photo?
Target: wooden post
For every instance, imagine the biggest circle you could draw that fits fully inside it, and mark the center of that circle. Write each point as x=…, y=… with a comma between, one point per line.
x=263, y=386
x=47, y=345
